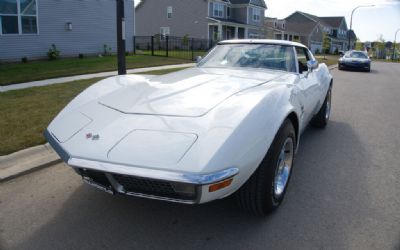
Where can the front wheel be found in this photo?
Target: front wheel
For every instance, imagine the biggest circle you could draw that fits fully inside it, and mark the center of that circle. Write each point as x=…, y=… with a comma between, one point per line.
x=265, y=189
x=320, y=120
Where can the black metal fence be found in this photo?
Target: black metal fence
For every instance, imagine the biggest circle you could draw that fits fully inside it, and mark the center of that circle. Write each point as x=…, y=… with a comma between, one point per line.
x=171, y=46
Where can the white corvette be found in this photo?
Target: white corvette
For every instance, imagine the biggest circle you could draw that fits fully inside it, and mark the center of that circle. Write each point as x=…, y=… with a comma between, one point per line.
x=231, y=124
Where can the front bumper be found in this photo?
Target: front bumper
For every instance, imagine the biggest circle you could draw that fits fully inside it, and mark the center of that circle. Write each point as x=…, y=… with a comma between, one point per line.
x=355, y=65
x=182, y=187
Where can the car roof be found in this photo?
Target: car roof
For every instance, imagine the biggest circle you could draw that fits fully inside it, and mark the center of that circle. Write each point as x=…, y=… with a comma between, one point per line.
x=265, y=41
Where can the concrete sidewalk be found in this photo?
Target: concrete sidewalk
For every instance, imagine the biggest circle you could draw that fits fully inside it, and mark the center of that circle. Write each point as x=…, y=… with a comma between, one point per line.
x=87, y=76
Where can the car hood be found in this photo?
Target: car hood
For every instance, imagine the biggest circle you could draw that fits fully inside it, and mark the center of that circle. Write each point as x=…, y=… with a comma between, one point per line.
x=190, y=93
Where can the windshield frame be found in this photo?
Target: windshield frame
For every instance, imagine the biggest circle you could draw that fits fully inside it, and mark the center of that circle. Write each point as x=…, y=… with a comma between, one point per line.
x=210, y=53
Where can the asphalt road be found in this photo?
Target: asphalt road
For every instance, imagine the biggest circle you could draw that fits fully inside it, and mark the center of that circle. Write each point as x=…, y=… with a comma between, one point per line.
x=344, y=193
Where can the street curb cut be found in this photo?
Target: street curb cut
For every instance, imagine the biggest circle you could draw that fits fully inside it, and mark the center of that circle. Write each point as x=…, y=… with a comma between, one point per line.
x=26, y=161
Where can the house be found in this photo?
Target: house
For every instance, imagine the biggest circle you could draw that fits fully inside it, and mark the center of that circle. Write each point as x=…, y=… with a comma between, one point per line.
x=29, y=27
x=309, y=30
x=206, y=19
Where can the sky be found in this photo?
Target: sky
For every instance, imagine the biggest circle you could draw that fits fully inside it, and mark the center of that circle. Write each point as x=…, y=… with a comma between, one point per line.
x=368, y=23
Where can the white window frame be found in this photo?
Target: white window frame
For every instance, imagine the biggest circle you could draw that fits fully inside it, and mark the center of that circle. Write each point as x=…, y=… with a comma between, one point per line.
x=19, y=20
x=163, y=31
x=169, y=12
x=256, y=17
x=218, y=10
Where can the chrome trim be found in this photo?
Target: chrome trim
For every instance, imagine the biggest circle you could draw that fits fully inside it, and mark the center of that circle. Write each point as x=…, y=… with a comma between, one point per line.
x=190, y=178
x=97, y=185
x=154, y=197
x=56, y=146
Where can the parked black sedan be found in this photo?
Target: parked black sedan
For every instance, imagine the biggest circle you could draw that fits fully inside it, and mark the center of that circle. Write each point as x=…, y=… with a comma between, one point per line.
x=355, y=59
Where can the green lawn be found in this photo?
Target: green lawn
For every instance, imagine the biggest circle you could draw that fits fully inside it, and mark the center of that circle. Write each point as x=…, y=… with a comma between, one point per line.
x=329, y=59
x=26, y=113
x=37, y=70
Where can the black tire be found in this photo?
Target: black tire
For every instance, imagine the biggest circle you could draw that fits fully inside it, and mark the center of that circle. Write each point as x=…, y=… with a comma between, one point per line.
x=257, y=195
x=320, y=120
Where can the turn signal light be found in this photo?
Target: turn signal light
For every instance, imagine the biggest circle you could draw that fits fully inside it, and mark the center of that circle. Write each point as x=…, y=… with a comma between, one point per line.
x=219, y=185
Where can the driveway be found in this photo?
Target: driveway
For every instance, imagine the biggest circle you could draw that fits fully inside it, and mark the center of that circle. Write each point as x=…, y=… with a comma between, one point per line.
x=344, y=193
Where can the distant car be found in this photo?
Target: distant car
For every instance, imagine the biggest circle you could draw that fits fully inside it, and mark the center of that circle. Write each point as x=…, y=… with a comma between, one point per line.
x=355, y=59
x=231, y=124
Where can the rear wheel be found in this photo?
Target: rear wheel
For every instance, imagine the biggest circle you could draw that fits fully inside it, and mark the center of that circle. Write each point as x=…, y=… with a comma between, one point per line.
x=321, y=119
x=265, y=189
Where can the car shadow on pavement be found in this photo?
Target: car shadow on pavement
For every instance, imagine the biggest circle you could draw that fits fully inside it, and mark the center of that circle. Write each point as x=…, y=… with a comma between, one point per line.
x=326, y=202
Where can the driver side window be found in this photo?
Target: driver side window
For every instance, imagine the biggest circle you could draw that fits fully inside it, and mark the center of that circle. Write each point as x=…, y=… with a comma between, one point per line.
x=302, y=59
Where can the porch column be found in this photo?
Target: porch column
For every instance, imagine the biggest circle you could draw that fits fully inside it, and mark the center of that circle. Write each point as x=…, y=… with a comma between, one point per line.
x=219, y=31
x=246, y=33
x=236, y=32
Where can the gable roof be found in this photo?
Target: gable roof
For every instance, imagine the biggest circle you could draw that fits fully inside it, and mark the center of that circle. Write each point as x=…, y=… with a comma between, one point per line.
x=330, y=21
x=333, y=21
x=259, y=3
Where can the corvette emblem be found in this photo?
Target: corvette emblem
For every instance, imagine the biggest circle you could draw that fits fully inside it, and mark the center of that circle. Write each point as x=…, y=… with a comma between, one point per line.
x=94, y=137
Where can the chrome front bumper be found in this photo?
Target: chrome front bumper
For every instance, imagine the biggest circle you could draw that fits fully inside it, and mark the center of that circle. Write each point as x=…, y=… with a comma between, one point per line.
x=153, y=177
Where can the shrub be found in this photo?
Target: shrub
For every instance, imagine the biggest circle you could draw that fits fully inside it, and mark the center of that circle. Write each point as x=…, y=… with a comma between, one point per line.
x=317, y=52
x=106, y=50
x=53, y=52
x=126, y=53
x=81, y=56
x=24, y=59
x=336, y=51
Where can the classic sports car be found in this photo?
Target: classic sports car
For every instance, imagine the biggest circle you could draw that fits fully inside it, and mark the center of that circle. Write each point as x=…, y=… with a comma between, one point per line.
x=355, y=59
x=231, y=124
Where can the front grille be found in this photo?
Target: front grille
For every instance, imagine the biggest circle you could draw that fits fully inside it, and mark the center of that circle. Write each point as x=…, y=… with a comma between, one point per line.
x=150, y=187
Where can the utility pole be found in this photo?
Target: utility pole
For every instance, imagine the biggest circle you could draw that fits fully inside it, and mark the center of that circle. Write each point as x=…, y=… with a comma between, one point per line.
x=394, y=44
x=121, y=37
x=351, y=22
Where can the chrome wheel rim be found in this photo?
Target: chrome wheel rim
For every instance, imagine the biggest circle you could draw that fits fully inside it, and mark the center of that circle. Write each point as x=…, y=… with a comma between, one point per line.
x=328, y=105
x=285, y=162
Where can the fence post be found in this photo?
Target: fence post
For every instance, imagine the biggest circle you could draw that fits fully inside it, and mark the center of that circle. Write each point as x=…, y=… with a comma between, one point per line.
x=152, y=45
x=192, y=48
x=134, y=45
x=166, y=45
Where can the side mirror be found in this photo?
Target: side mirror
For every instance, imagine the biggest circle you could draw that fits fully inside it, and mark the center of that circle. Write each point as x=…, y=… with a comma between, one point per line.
x=198, y=59
x=312, y=64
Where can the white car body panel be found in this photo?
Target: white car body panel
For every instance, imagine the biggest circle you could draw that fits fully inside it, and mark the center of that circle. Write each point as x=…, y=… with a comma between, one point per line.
x=198, y=121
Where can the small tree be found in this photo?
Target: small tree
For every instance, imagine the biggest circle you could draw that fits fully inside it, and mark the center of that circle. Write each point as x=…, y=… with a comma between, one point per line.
x=185, y=40
x=359, y=45
x=326, y=44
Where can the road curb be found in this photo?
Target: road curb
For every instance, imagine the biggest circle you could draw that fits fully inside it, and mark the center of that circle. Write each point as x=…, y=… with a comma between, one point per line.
x=27, y=161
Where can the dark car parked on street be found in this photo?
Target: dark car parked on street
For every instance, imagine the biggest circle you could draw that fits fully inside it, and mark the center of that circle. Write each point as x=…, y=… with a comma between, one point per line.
x=355, y=59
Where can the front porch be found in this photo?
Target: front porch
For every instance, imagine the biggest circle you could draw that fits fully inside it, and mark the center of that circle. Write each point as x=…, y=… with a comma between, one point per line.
x=218, y=32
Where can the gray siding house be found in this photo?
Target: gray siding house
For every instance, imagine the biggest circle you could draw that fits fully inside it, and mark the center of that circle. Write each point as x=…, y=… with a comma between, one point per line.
x=309, y=29
x=206, y=19
x=29, y=27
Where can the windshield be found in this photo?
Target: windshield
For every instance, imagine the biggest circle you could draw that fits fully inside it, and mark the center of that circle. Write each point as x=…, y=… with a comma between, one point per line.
x=356, y=54
x=265, y=56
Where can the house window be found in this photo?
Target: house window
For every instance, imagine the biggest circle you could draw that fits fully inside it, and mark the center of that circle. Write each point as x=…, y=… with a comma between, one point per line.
x=169, y=12
x=18, y=17
x=256, y=15
x=218, y=10
x=164, y=31
x=228, y=12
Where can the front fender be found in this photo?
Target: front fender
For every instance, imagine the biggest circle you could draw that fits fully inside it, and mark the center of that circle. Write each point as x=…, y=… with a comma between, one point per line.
x=267, y=107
